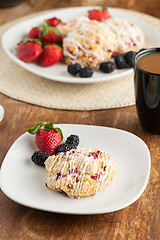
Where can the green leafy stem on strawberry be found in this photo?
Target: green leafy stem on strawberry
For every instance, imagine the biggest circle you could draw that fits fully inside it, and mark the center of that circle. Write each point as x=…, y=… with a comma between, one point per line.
x=27, y=39
x=46, y=126
x=46, y=28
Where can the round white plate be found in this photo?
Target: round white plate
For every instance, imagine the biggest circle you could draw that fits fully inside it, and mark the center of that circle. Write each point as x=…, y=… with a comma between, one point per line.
x=58, y=71
x=24, y=182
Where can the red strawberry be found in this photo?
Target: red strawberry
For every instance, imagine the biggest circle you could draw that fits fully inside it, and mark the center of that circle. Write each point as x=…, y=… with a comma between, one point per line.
x=53, y=22
x=50, y=34
x=99, y=14
x=34, y=32
x=105, y=14
x=29, y=50
x=47, y=137
x=52, y=54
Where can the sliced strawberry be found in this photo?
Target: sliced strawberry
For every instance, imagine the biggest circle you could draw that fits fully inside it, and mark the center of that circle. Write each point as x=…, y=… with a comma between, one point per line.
x=50, y=34
x=52, y=54
x=29, y=50
x=34, y=32
x=99, y=14
x=53, y=22
x=47, y=137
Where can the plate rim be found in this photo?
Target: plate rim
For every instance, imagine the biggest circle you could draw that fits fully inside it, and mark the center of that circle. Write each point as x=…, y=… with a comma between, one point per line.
x=112, y=209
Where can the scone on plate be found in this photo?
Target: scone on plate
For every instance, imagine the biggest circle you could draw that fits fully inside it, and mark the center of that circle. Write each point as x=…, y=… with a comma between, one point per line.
x=127, y=36
x=88, y=43
x=79, y=172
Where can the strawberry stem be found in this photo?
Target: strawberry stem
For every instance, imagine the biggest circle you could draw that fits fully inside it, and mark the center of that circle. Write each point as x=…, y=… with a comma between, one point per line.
x=26, y=39
x=104, y=8
x=47, y=127
x=56, y=31
x=45, y=23
x=36, y=128
x=45, y=32
x=60, y=132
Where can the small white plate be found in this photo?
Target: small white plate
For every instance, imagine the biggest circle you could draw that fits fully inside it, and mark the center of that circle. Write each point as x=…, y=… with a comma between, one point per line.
x=24, y=182
x=58, y=72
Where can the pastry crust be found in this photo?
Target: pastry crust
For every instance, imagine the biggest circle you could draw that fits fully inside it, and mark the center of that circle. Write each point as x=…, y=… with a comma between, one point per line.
x=79, y=173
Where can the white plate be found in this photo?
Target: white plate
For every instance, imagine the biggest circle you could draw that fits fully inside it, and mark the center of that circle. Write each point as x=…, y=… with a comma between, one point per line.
x=58, y=71
x=24, y=182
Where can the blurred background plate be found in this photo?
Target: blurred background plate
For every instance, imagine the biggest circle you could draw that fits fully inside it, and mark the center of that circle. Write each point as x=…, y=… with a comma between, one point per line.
x=58, y=72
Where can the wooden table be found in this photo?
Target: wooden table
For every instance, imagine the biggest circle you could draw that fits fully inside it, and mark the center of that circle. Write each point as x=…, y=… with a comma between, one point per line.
x=138, y=221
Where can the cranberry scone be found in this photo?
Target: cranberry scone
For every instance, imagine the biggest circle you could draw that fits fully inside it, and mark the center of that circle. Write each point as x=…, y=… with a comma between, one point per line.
x=79, y=172
x=127, y=36
x=88, y=43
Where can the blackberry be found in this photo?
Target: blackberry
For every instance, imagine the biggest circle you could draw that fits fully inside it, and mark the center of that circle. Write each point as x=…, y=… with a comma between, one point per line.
x=64, y=147
x=73, y=140
x=39, y=158
x=107, y=67
x=120, y=61
x=73, y=69
x=129, y=57
x=86, y=72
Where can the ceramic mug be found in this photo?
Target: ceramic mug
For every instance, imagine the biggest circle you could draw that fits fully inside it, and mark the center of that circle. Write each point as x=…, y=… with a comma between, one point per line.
x=147, y=94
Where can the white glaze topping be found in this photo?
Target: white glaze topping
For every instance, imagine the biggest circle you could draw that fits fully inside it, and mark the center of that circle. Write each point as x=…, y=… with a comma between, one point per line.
x=80, y=30
x=126, y=33
x=118, y=35
x=86, y=163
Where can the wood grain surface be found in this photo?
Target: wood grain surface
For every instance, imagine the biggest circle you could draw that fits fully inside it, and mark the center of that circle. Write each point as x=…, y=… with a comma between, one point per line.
x=138, y=221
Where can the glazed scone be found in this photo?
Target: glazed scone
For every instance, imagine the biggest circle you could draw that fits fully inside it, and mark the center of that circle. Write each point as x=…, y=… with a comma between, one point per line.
x=79, y=172
x=127, y=36
x=88, y=43
x=120, y=35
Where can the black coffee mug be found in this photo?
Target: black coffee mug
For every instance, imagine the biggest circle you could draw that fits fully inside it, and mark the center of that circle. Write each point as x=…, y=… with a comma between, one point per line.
x=147, y=95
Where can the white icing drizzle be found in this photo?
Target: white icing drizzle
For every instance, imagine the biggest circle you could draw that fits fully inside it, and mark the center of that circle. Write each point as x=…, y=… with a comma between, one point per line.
x=69, y=178
x=81, y=176
x=125, y=32
x=74, y=173
x=53, y=163
x=56, y=167
x=119, y=35
x=100, y=56
x=84, y=26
